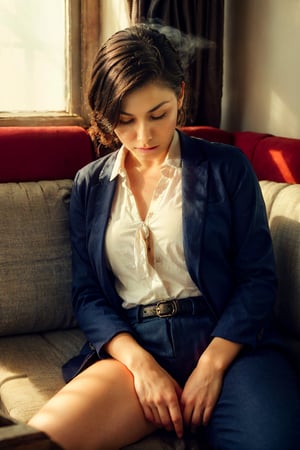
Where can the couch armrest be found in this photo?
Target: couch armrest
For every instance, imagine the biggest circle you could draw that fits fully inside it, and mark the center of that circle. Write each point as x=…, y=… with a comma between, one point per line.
x=19, y=436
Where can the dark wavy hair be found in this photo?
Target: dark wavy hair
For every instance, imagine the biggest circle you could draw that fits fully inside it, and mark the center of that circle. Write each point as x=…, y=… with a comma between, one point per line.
x=129, y=59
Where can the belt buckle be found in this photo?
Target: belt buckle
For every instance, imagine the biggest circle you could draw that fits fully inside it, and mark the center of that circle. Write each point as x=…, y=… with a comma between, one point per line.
x=166, y=309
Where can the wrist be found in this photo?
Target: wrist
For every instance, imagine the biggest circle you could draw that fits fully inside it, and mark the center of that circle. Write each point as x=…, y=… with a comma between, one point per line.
x=124, y=348
x=139, y=360
x=220, y=353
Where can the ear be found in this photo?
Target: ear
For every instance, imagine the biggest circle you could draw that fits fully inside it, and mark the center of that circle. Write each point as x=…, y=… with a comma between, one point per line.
x=181, y=95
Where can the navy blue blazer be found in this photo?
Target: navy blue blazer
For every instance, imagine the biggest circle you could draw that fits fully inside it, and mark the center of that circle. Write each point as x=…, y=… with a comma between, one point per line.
x=226, y=238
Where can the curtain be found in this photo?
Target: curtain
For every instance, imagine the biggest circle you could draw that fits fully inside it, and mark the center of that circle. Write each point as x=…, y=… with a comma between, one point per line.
x=203, y=21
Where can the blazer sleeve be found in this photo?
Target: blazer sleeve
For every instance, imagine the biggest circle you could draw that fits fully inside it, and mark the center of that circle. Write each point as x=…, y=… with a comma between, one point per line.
x=97, y=307
x=247, y=313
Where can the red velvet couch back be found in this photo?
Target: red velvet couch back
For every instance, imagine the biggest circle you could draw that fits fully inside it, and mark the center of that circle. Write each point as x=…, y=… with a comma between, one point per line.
x=273, y=158
x=47, y=153
x=42, y=153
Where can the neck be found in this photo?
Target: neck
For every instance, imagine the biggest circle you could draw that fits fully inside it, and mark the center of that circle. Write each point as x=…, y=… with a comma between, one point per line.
x=144, y=164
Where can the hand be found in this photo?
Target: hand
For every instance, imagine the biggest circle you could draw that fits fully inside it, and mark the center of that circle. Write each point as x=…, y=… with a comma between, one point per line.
x=157, y=391
x=200, y=395
x=204, y=385
x=159, y=396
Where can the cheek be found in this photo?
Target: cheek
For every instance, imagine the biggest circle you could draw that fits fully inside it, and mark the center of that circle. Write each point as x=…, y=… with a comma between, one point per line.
x=172, y=122
x=173, y=117
x=123, y=135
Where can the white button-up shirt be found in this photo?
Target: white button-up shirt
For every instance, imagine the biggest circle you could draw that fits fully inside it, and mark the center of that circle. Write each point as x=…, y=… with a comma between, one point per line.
x=147, y=256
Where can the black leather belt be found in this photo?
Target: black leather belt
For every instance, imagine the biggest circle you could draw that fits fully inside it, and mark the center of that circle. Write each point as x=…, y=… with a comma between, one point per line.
x=170, y=308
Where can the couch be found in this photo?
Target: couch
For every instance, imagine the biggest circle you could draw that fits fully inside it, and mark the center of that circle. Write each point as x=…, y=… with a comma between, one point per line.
x=38, y=332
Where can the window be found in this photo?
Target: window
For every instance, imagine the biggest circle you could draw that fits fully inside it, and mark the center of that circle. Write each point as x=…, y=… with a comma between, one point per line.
x=45, y=56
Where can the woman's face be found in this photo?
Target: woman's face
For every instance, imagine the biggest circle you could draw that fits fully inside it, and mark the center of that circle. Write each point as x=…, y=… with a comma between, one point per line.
x=148, y=119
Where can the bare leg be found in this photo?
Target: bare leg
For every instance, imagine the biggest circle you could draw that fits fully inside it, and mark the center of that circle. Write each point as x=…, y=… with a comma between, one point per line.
x=97, y=410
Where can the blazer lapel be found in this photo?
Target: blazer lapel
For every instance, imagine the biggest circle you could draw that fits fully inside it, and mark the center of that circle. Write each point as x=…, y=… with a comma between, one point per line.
x=101, y=199
x=194, y=200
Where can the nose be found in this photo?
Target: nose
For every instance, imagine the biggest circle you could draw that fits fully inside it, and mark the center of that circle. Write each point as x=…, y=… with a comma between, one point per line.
x=144, y=133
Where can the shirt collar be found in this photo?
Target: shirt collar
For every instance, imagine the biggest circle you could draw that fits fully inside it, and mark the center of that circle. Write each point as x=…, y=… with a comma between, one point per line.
x=173, y=158
x=119, y=166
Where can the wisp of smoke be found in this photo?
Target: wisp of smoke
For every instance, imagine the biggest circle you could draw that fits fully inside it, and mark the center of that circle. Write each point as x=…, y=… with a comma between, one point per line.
x=185, y=44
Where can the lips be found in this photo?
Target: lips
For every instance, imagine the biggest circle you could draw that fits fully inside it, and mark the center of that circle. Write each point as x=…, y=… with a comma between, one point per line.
x=145, y=149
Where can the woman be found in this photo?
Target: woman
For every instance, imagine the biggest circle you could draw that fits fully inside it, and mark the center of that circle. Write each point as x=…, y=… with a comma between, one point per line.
x=173, y=275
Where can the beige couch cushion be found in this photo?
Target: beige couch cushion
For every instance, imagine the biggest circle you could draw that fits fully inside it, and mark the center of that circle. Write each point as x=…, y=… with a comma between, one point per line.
x=35, y=257
x=283, y=207
x=30, y=369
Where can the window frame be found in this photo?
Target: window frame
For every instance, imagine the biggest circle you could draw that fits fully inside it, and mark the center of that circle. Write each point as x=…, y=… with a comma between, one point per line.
x=82, y=36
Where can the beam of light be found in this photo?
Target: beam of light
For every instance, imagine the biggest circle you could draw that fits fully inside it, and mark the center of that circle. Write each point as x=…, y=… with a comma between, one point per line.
x=278, y=159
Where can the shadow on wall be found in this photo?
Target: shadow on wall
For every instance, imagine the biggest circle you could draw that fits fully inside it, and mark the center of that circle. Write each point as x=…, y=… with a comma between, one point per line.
x=261, y=72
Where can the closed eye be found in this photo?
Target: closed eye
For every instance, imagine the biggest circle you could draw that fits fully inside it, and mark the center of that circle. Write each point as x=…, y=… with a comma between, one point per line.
x=161, y=116
x=152, y=117
x=125, y=122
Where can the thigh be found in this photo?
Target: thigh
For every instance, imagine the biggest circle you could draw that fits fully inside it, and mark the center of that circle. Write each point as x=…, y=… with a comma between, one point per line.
x=97, y=409
x=259, y=407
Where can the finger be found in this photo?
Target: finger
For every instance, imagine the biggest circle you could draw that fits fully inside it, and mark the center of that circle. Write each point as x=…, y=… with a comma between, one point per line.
x=196, y=419
x=207, y=415
x=188, y=410
x=157, y=417
x=148, y=413
x=177, y=420
x=165, y=418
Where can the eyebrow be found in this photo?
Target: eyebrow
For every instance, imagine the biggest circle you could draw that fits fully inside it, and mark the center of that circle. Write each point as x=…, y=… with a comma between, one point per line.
x=150, y=111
